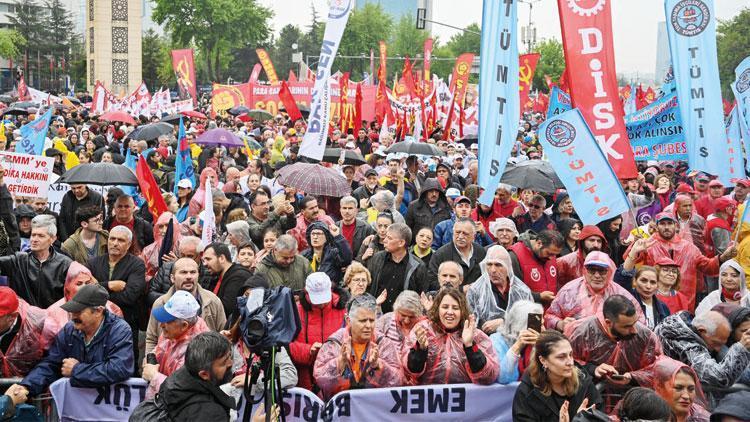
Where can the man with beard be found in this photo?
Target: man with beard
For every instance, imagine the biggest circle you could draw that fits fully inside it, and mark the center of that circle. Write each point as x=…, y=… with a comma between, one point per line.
x=693, y=264
x=218, y=259
x=368, y=188
x=535, y=263
x=570, y=266
x=431, y=208
x=613, y=345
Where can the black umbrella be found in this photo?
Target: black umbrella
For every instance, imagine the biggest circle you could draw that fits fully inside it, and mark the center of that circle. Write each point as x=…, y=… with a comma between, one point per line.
x=236, y=111
x=14, y=110
x=24, y=104
x=172, y=118
x=7, y=98
x=351, y=157
x=102, y=174
x=537, y=175
x=415, y=148
x=167, y=241
x=151, y=131
x=303, y=110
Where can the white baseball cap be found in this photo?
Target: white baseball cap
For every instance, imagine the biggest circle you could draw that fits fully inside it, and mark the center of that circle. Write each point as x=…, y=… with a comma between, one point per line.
x=185, y=184
x=318, y=288
x=182, y=305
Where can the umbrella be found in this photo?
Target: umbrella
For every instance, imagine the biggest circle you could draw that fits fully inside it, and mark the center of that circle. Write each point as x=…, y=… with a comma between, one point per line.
x=314, y=179
x=236, y=111
x=117, y=116
x=14, y=110
x=151, y=131
x=303, y=109
x=172, y=118
x=415, y=148
x=351, y=157
x=260, y=115
x=220, y=137
x=24, y=104
x=101, y=174
x=537, y=175
x=7, y=98
x=194, y=114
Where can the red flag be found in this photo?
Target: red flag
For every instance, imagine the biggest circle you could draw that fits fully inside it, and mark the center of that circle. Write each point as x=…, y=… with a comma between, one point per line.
x=650, y=95
x=292, y=77
x=587, y=41
x=541, y=102
x=255, y=73
x=727, y=106
x=563, y=82
x=382, y=74
x=150, y=189
x=286, y=97
x=427, y=58
x=408, y=76
x=640, y=98
x=358, y=109
x=183, y=65
x=526, y=67
x=382, y=105
x=461, y=122
x=459, y=83
x=343, y=100
x=23, y=90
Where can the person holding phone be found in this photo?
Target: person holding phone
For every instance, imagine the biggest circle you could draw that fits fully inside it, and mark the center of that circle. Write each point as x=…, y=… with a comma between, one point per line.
x=553, y=388
x=515, y=340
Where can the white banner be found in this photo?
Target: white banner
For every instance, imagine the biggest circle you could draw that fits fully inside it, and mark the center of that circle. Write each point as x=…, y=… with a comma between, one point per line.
x=113, y=403
x=27, y=175
x=314, y=142
x=58, y=190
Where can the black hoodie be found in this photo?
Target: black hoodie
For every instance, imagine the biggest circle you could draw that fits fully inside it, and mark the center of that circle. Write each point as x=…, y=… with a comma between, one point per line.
x=190, y=398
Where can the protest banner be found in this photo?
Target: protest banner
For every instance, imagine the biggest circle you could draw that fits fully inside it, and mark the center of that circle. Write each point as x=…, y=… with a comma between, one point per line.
x=183, y=65
x=255, y=73
x=655, y=131
x=27, y=175
x=266, y=97
x=458, y=85
x=559, y=102
x=111, y=403
x=691, y=29
x=591, y=75
x=499, y=104
x=224, y=97
x=733, y=167
x=33, y=135
x=582, y=167
x=314, y=142
x=741, y=91
x=427, y=58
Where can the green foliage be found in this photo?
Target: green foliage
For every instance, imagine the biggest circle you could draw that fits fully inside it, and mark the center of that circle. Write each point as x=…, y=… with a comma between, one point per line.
x=58, y=25
x=407, y=39
x=10, y=43
x=366, y=27
x=152, y=57
x=282, y=50
x=466, y=42
x=551, y=63
x=76, y=67
x=733, y=44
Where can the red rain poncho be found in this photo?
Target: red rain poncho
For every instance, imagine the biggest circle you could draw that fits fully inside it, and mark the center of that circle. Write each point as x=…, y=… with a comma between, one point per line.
x=665, y=371
x=30, y=343
x=331, y=380
x=150, y=254
x=693, y=264
x=446, y=359
x=570, y=266
x=592, y=344
x=56, y=316
x=171, y=355
x=577, y=300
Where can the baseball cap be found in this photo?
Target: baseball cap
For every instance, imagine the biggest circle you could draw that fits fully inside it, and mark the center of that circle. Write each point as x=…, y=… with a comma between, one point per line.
x=664, y=216
x=702, y=177
x=182, y=305
x=461, y=199
x=743, y=182
x=597, y=259
x=8, y=301
x=452, y=193
x=723, y=203
x=88, y=296
x=318, y=288
x=185, y=184
x=715, y=182
x=371, y=172
x=666, y=261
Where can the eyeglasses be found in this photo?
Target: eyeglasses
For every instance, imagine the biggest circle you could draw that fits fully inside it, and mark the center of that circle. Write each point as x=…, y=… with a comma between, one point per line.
x=97, y=219
x=670, y=270
x=535, y=206
x=597, y=270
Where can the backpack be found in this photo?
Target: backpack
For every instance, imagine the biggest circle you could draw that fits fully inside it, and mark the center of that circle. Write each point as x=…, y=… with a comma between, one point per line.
x=152, y=410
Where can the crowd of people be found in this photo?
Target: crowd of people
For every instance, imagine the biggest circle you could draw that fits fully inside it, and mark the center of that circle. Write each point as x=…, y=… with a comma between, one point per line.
x=409, y=280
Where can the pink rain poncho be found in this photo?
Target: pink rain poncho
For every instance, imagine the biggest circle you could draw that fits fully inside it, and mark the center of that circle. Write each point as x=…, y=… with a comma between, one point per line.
x=199, y=197
x=446, y=359
x=592, y=344
x=150, y=253
x=171, y=355
x=57, y=317
x=29, y=344
x=331, y=380
x=577, y=300
x=664, y=374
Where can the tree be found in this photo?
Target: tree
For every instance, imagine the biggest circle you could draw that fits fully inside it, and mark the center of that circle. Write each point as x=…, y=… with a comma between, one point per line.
x=59, y=25
x=10, y=43
x=407, y=39
x=466, y=42
x=733, y=45
x=551, y=63
x=76, y=65
x=366, y=28
x=214, y=26
x=27, y=21
x=152, y=56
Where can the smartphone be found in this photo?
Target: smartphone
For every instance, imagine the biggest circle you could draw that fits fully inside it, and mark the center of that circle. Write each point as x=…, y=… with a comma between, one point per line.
x=617, y=377
x=534, y=322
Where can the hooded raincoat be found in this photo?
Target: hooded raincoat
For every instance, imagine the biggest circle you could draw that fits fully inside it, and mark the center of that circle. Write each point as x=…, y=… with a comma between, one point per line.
x=446, y=358
x=150, y=253
x=29, y=344
x=743, y=241
x=199, y=197
x=482, y=297
x=593, y=345
x=577, y=300
x=682, y=342
x=336, y=253
x=421, y=214
x=570, y=266
x=716, y=297
x=171, y=355
x=665, y=372
x=331, y=380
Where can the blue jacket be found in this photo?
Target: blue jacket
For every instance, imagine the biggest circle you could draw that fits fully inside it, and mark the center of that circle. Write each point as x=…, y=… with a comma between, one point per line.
x=508, y=361
x=443, y=233
x=109, y=359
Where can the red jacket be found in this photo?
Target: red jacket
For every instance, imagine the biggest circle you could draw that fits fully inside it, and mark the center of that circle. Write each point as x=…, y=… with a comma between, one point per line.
x=708, y=241
x=317, y=326
x=570, y=266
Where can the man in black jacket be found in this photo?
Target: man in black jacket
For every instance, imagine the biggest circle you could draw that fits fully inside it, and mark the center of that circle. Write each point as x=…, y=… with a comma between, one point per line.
x=142, y=230
x=192, y=393
x=218, y=259
x=10, y=242
x=395, y=269
x=78, y=196
x=353, y=229
x=462, y=250
x=431, y=208
x=124, y=276
x=38, y=276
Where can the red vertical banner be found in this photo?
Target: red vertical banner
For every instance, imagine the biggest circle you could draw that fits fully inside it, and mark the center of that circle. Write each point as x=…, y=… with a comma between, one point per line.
x=343, y=100
x=563, y=81
x=592, y=77
x=459, y=83
x=382, y=105
x=526, y=68
x=150, y=189
x=265, y=60
x=408, y=77
x=255, y=74
x=427, y=58
x=286, y=97
x=183, y=66
x=23, y=90
x=358, y=110
x=382, y=72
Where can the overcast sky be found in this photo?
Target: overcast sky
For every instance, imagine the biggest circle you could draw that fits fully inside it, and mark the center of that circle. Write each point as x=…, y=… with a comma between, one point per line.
x=634, y=22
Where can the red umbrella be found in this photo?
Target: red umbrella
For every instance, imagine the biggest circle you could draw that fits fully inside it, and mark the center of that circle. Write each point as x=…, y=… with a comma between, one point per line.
x=244, y=118
x=192, y=113
x=117, y=116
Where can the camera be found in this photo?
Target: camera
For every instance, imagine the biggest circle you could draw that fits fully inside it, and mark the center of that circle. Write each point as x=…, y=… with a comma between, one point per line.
x=269, y=318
